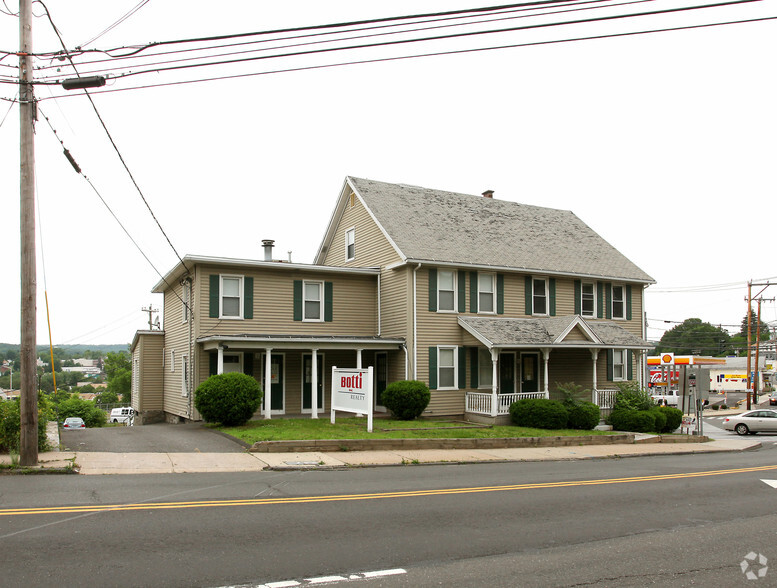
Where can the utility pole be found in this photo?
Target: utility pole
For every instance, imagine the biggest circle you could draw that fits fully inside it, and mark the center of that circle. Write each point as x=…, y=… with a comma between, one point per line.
x=28, y=447
x=150, y=310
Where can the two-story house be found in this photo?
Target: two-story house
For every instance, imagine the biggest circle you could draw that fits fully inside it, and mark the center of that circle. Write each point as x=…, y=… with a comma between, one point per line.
x=485, y=300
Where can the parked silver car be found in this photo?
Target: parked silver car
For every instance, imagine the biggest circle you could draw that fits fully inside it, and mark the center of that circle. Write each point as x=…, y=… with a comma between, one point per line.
x=763, y=420
x=72, y=423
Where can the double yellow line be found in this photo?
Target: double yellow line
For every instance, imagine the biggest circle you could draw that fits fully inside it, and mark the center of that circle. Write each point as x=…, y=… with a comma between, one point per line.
x=374, y=496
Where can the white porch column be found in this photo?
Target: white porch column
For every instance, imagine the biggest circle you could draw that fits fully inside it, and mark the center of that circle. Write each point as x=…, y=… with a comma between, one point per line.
x=267, y=382
x=595, y=357
x=494, y=390
x=314, y=384
x=358, y=359
x=546, y=358
x=220, y=364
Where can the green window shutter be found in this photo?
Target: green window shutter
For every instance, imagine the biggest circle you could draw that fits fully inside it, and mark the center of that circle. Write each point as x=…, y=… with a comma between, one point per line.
x=213, y=297
x=433, y=368
x=248, y=298
x=500, y=293
x=248, y=364
x=599, y=300
x=432, y=290
x=474, y=367
x=608, y=300
x=297, y=300
x=552, y=296
x=462, y=367
x=328, y=302
x=578, y=297
x=213, y=363
x=630, y=368
x=462, y=279
x=528, y=296
x=609, y=365
x=628, y=303
x=473, y=292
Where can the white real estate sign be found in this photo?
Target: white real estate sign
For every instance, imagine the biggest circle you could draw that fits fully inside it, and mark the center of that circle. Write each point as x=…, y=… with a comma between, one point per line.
x=352, y=392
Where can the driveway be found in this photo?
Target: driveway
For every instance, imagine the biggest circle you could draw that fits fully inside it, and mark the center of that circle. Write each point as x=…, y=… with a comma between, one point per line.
x=157, y=438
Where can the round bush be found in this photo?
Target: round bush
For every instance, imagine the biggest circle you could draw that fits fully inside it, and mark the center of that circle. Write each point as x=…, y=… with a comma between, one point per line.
x=230, y=399
x=539, y=413
x=660, y=419
x=584, y=416
x=635, y=421
x=406, y=399
x=674, y=418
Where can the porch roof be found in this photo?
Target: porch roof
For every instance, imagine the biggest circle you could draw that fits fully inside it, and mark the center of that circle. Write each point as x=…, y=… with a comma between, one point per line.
x=551, y=332
x=263, y=341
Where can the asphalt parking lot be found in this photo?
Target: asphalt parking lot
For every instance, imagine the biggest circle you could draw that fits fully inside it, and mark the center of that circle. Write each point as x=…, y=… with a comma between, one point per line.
x=156, y=438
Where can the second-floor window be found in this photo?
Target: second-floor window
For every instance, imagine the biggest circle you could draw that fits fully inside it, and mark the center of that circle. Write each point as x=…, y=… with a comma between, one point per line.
x=588, y=300
x=446, y=290
x=618, y=302
x=312, y=301
x=350, y=244
x=486, y=293
x=539, y=296
x=231, y=295
x=186, y=300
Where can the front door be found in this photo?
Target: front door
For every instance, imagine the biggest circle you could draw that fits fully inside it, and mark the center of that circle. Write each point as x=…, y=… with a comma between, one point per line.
x=277, y=383
x=307, y=382
x=530, y=377
x=506, y=373
x=381, y=376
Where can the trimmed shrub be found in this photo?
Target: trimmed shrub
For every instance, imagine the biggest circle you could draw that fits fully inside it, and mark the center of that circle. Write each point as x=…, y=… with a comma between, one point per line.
x=230, y=399
x=635, y=421
x=584, y=415
x=539, y=413
x=406, y=399
x=76, y=407
x=10, y=427
x=660, y=419
x=674, y=418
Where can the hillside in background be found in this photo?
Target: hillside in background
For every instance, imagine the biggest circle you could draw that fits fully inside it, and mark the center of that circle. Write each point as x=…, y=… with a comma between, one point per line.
x=70, y=350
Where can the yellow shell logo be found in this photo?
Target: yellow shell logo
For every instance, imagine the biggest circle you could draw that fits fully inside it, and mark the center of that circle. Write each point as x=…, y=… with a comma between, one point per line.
x=666, y=358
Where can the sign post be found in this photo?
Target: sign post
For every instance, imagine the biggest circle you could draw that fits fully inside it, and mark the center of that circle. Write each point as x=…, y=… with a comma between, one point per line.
x=352, y=392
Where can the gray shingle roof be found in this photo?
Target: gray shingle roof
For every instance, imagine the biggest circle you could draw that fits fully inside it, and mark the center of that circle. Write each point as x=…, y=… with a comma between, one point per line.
x=433, y=225
x=543, y=332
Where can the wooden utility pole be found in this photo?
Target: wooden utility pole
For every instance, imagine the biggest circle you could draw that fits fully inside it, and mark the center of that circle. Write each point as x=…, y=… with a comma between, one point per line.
x=28, y=448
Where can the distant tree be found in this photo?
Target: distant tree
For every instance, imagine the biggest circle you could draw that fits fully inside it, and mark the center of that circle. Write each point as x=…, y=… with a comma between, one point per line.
x=695, y=337
x=119, y=374
x=105, y=397
x=764, y=330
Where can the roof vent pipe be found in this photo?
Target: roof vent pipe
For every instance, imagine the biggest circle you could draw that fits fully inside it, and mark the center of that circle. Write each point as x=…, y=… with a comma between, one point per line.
x=488, y=194
x=268, y=245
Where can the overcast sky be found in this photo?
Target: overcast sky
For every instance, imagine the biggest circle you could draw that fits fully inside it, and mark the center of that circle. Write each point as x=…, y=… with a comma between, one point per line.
x=663, y=143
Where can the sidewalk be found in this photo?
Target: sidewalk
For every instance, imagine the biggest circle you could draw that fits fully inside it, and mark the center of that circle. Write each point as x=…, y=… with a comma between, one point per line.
x=94, y=463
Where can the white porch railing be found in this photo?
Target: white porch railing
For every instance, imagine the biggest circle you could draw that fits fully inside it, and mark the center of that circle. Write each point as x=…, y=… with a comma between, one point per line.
x=605, y=398
x=480, y=402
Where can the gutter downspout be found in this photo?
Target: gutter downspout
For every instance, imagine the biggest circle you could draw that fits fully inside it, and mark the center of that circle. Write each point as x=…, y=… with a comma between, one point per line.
x=415, y=321
x=379, y=306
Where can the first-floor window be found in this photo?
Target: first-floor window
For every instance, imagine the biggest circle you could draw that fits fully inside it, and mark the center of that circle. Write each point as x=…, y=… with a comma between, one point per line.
x=446, y=367
x=485, y=369
x=619, y=364
x=588, y=302
x=184, y=375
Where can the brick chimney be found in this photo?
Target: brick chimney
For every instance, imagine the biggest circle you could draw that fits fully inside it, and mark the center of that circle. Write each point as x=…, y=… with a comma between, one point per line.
x=488, y=194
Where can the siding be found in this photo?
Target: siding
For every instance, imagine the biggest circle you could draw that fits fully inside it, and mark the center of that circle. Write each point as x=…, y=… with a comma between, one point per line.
x=177, y=341
x=149, y=352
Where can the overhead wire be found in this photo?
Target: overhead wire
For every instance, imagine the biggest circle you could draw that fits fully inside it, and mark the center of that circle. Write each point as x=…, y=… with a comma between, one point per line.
x=127, y=15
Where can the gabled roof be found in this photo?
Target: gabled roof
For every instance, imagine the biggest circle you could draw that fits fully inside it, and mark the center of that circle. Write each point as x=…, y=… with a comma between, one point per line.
x=435, y=226
x=497, y=332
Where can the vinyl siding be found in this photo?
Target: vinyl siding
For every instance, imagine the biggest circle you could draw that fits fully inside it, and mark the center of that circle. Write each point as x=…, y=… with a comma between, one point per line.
x=149, y=353
x=176, y=340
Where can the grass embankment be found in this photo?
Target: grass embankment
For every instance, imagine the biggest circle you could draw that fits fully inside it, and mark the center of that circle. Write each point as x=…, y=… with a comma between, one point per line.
x=356, y=428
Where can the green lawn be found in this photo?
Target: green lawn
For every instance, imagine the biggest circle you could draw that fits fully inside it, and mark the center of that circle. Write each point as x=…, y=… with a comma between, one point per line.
x=356, y=428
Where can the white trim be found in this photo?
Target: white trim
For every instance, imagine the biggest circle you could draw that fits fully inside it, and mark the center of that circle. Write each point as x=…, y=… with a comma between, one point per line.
x=544, y=280
x=352, y=233
x=240, y=296
x=321, y=301
x=454, y=289
x=455, y=352
x=492, y=292
x=624, y=366
x=593, y=294
x=622, y=317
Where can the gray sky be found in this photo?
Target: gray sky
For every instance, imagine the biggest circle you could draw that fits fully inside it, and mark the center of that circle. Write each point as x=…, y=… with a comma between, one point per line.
x=663, y=143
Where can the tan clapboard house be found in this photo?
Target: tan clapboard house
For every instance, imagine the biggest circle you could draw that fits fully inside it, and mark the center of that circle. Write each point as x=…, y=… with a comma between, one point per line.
x=485, y=300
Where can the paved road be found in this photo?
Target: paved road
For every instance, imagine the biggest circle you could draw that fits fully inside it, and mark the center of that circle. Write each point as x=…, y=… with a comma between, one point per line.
x=158, y=438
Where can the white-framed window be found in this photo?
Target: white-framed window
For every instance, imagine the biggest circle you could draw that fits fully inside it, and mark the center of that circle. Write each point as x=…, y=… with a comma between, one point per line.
x=184, y=375
x=486, y=293
x=172, y=360
x=588, y=299
x=312, y=301
x=539, y=296
x=485, y=369
x=618, y=364
x=618, y=302
x=446, y=291
x=231, y=298
x=135, y=378
x=186, y=295
x=350, y=244
x=447, y=367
